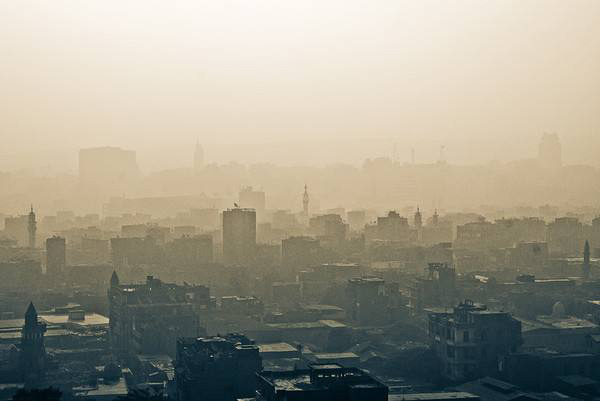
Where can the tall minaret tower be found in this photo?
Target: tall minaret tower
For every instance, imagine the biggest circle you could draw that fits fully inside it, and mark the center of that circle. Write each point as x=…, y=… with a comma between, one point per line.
x=31, y=228
x=586, y=260
x=198, y=157
x=33, y=352
x=418, y=219
x=305, y=200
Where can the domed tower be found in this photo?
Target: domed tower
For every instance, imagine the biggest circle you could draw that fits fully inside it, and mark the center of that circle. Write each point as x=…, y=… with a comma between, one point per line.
x=31, y=228
x=33, y=352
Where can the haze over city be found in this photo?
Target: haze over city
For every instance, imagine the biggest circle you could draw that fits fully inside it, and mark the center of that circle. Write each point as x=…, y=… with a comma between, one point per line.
x=283, y=200
x=484, y=79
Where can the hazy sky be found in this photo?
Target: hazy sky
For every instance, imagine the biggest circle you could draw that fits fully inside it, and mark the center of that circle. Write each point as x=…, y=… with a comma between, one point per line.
x=157, y=75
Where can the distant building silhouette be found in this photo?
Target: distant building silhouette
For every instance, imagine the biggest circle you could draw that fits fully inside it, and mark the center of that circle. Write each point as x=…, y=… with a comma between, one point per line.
x=16, y=228
x=198, y=157
x=251, y=199
x=31, y=228
x=56, y=256
x=239, y=236
x=107, y=168
x=550, y=151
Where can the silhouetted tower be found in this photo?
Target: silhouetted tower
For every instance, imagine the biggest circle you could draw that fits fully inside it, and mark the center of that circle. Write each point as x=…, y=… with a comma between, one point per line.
x=418, y=219
x=31, y=228
x=114, y=280
x=436, y=218
x=586, y=259
x=239, y=237
x=33, y=352
x=305, y=200
x=114, y=318
x=56, y=256
x=550, y=151
x=198, y=157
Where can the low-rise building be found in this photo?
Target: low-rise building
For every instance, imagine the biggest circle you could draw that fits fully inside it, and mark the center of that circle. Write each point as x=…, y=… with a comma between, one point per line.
x=320, y=383
x=471, y=340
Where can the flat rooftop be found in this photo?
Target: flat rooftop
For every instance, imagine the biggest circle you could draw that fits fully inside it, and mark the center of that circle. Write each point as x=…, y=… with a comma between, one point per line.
x=300, y=380
x=455, y=395
x=91, y=319
x=567, y=322
x=276, y=347
x=307, y=325
x=335, y=355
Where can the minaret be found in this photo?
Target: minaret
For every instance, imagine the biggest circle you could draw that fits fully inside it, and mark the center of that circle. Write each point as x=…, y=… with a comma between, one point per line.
x=305, y=200
x=33, y=352
x=418, y=219
x=198, y=157
x=113, y=310
x=586, y=259
x=114, y=280
x=436, y=218
x=31, y=228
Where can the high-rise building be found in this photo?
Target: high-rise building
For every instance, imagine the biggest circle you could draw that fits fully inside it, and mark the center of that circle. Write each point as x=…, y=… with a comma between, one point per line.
x=198, y=157
x=33, y=352
x=56, y=256
x=550, y=151
x=31, y=228
x=239, y=236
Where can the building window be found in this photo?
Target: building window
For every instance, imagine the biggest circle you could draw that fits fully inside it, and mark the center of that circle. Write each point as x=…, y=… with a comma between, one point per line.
x=466, y=336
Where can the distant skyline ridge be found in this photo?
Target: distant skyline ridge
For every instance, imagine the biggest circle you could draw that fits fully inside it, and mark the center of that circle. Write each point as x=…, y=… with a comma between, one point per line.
x=353, y=151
